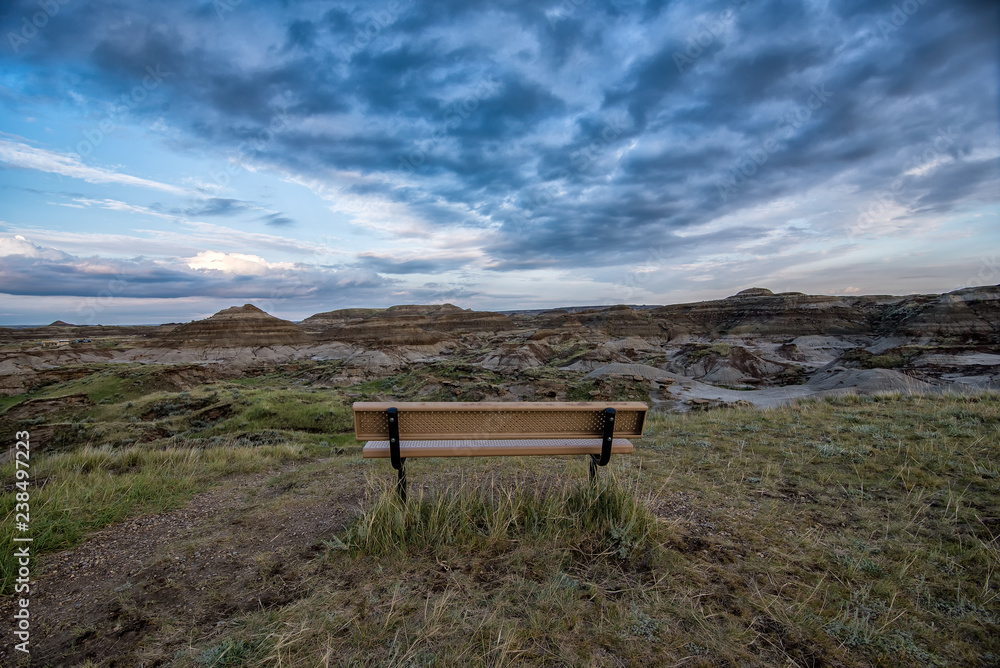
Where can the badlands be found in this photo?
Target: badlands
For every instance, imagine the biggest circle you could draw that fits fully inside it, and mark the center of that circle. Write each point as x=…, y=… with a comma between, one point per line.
x=755, y=347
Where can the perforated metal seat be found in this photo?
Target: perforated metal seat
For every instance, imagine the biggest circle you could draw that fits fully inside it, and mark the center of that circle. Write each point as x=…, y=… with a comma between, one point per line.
x=496, y=429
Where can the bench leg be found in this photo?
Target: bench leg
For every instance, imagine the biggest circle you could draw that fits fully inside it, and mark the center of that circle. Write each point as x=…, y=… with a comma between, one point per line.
x=607, y=439
x=398, y=463
x=401, y=481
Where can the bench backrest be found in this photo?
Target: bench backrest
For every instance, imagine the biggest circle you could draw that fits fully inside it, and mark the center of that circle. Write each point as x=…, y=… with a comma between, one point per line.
x=460, y=420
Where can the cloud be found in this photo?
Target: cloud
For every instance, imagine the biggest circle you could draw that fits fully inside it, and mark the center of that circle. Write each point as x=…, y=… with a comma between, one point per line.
x=21, y=155
x=552, y=138
x=219, y=206
x=388, y=264
x=239, y=264
x=30, y=269
x=277, y=220
x=185, y=239
x=225, y=206
x=19, y=246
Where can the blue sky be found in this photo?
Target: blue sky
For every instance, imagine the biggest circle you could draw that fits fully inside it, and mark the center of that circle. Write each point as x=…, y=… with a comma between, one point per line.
x=162, y=161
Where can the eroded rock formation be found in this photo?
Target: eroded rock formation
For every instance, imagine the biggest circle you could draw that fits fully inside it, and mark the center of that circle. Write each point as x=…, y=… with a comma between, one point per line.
x=239, y=326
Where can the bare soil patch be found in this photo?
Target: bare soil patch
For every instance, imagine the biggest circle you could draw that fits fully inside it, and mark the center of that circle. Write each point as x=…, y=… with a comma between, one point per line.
x=36, y=407
x=138, y=592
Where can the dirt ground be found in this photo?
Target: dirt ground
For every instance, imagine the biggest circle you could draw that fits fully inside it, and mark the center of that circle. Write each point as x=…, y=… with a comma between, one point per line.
x=144, y=590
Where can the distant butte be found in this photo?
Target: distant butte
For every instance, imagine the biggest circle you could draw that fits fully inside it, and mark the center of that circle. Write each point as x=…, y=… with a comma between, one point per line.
x=786, y=345
x=237, y=326
x=754, y=292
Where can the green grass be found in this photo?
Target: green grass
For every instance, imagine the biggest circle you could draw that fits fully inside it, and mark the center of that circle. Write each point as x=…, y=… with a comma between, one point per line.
x=851, y=531
x=138, y=449
x=890, y=359
x=481, y=516
x=463, y=573
x=73, y=493
x=712, y=350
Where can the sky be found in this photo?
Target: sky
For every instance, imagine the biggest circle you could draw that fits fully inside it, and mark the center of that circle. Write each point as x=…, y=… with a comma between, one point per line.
x=162, y=161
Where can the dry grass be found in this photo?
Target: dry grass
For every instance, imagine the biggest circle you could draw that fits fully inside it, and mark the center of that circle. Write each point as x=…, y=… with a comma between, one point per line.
x=855, y=531
x=73, y=493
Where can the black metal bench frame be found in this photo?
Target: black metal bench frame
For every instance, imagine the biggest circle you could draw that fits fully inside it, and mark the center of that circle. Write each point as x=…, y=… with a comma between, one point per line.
x=399, y=462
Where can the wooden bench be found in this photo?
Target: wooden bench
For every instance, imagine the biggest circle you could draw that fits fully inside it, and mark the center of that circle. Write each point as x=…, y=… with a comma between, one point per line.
x=495, y=429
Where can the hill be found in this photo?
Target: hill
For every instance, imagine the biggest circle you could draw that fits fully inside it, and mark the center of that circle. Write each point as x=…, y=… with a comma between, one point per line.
x=239, y=326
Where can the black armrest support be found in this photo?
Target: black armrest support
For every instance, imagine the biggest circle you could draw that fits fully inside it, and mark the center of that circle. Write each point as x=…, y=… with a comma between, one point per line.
x=393, y=416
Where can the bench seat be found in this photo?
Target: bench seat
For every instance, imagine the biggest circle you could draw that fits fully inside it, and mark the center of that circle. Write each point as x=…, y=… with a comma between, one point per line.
x=497, y=448
x=496, y=429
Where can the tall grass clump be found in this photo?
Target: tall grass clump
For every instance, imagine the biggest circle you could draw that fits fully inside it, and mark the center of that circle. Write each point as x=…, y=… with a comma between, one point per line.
x=487, y=514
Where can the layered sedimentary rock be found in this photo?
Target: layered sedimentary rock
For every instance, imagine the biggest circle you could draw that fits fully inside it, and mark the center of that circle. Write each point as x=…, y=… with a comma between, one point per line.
x=239, y=326
x=406, y=324
x=73, y=332
x=315, y=324
x=968, y=315
x=517, y=357
x=762, y=313
x=725, y=364
x=619, y=321
x=320, y=322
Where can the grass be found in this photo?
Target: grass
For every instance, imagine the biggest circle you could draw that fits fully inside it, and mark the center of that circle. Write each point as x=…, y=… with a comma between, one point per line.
x=852, y=531
x=482, y=516
x=471, y=572
x=894, y=358
x=73, y=493
x=849, y=531
x=710, y=350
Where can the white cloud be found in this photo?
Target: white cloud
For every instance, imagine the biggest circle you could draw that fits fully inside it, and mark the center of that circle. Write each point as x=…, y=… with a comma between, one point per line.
x=18, y=245
x=236, y=263
x=29, y=157
x=118, y=205
x=176, y=243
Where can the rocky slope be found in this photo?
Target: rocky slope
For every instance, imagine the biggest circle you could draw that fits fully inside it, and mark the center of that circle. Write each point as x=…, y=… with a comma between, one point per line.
x=971, y=315
x=404, y=325
x=60, y=330
x=233, y=327
x=756, y=346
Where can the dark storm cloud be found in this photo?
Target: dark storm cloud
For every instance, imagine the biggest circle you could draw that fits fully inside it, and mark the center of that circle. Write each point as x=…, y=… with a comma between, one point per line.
x=574, y=130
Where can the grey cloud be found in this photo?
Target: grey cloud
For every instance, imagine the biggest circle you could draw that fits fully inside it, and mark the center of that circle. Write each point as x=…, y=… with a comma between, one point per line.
x=522, y=155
